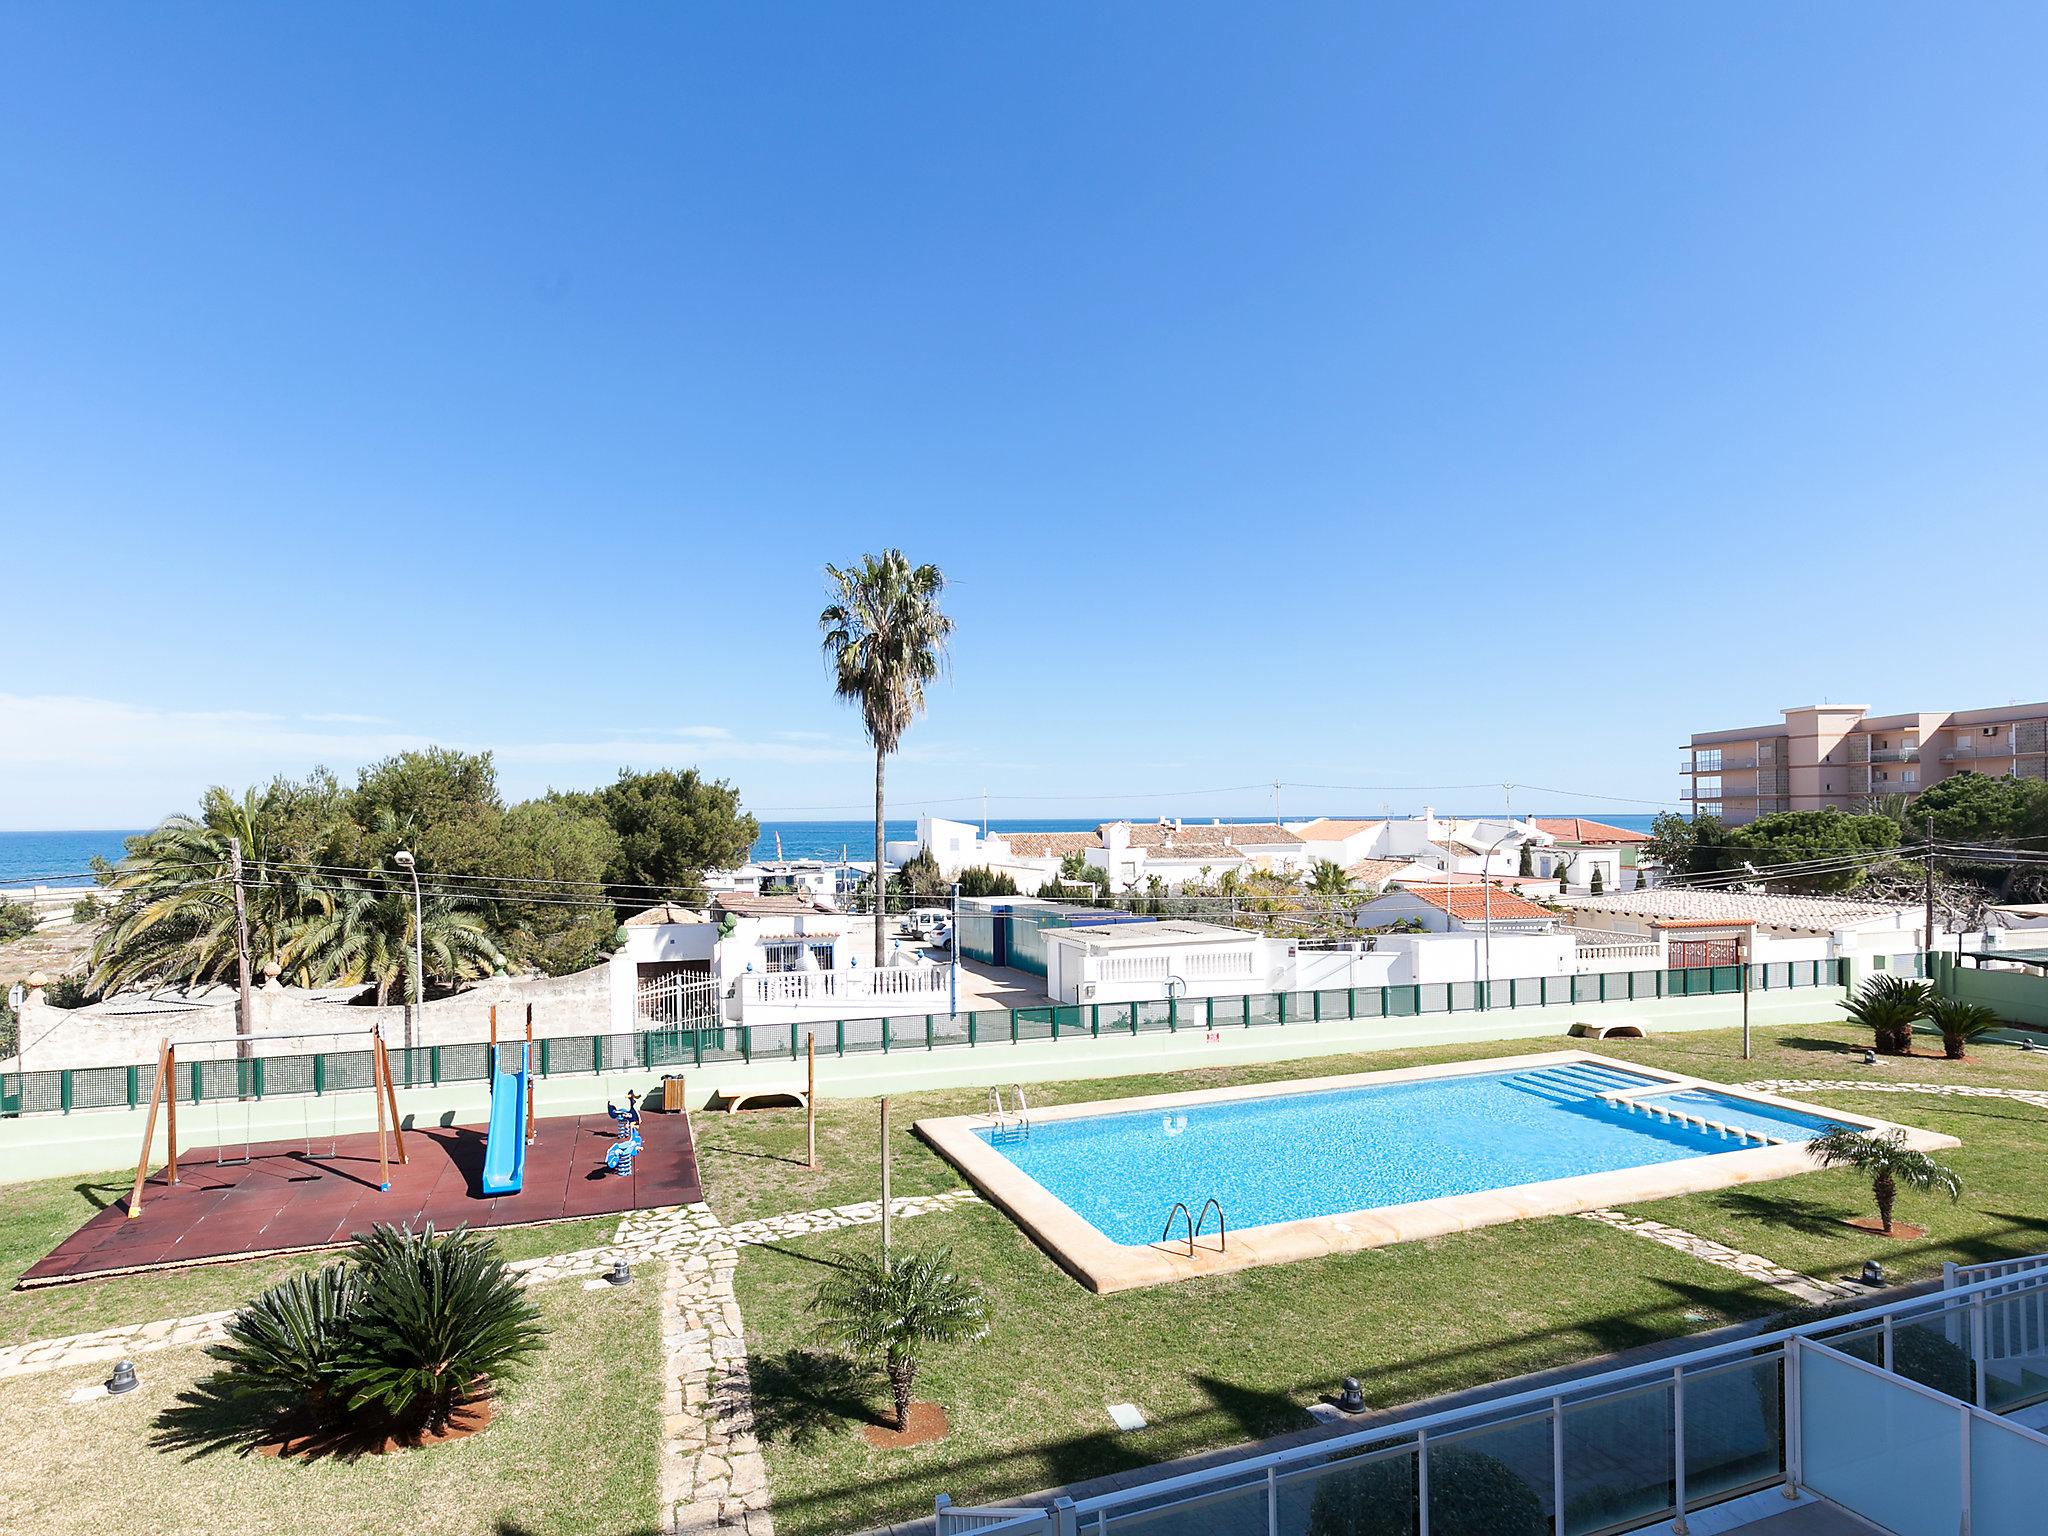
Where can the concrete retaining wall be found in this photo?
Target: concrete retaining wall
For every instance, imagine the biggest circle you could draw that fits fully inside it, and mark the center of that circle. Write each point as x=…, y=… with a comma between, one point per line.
x=91, y=1141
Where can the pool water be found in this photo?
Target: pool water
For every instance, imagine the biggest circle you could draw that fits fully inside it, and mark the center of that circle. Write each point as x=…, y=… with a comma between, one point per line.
x=1297, y=1155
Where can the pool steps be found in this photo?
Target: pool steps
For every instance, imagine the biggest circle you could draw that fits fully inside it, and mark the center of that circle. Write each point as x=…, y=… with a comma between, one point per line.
x=1583, y=1083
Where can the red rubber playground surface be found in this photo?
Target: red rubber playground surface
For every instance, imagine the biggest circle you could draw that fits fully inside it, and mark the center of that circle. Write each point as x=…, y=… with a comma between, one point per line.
x=281, y=1201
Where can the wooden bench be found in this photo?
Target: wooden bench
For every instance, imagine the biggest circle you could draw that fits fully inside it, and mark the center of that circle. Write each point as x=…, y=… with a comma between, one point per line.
x=735, y=1097
x=1617, y=1029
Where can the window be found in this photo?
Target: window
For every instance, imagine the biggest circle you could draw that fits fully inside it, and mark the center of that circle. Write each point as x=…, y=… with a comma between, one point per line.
x=787, y=954
x=1706, y=760
x=1709, y=786
x=1910, y=776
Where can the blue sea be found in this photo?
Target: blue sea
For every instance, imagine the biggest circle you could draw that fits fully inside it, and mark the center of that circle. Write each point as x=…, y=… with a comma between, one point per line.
x=64, y=858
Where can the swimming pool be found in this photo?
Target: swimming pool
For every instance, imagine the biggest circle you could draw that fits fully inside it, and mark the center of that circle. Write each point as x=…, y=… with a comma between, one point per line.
x=1319, y=1166
x=1296, y=1155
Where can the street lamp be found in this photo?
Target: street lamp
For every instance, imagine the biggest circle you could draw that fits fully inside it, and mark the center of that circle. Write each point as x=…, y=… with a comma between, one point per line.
x=404, y=860
x=1486, y=923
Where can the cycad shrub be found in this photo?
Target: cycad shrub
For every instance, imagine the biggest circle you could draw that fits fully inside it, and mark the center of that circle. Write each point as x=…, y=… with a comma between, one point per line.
x=436, y=1317
x=390, y=1341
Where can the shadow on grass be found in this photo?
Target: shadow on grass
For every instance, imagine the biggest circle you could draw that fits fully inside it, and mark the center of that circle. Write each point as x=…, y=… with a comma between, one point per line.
x=802, y=1393
x=100, y=1196
x=1825, y=1047
x=223, y=1412
x=2015, y=1235
x=726, y=1149
x=1238, y=1410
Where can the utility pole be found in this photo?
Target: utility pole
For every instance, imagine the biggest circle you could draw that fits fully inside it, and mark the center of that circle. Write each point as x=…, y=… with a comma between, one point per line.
x=1928, y=946
x=885, y=1180
x=243, y=1023
x=1742, y=959
x=1276, y=802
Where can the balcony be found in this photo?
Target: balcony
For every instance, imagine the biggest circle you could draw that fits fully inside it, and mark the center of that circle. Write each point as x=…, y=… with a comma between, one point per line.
x=1913, y=1415
x=912, y=988
x=1896, y=755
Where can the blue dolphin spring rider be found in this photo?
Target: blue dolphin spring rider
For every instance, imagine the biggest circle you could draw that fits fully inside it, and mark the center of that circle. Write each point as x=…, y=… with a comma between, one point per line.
x=618, y=1157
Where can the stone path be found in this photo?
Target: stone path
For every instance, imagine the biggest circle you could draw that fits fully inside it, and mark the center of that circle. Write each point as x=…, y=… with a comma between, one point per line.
x=2037, y=1097
x=1749, y=1265
x=111, y=1344
x=865, y=1213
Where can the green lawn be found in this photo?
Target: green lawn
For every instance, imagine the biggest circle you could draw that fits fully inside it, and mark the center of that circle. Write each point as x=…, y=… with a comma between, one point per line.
x=574, y=1449
x=1212, y=1362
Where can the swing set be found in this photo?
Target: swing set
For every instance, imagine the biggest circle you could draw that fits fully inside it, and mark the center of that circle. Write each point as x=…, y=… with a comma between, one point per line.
x=164, y=1093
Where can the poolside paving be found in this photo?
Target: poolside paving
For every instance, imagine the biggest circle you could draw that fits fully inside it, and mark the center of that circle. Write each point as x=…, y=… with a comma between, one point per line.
x=283, y=1201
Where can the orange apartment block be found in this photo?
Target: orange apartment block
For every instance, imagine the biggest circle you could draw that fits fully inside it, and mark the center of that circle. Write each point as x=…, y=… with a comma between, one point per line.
x=1842, y=755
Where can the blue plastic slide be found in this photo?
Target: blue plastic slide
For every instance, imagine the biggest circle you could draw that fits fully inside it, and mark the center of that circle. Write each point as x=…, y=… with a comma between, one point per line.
x=505, y=1142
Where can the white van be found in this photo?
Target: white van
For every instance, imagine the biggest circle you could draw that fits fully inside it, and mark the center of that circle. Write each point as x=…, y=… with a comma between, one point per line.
x=923, y=922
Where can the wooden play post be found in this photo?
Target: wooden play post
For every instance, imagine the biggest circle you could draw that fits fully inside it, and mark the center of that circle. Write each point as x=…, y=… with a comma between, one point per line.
x=811, y=1096
x=885, y=1178
x=156, y=1096
x=383, y=1157
x=381, y=1060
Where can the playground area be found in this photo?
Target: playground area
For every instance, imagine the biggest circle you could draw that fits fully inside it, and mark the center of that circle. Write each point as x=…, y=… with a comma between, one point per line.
x=280, y=1200
x=212, y=1204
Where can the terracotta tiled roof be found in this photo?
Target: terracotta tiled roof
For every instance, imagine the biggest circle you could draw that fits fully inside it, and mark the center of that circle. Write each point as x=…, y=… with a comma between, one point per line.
x=1330, y=829
x=1043, y=845
x=667, y=912
x=746, y=904
x=1375, y=870
x=1469, y=902
x=1263, y=834
x=1576, y=829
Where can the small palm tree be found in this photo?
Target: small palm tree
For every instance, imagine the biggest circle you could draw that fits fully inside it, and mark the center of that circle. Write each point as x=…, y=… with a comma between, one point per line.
x=1887, y=1006
x=1887, y=1161
x=1327, y=878
x=1959, y=1023
x=900, y=1308
x=886, y=639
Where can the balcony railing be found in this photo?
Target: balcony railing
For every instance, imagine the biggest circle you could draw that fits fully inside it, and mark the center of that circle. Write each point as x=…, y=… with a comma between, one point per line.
x=889, y=984
x=1896, y=755
x=1821, y=1405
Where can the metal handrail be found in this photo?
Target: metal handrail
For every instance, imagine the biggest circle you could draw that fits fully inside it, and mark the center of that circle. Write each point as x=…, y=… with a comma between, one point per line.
x=1600, y=1383
x=1180, y=1208
x=1194, y=1230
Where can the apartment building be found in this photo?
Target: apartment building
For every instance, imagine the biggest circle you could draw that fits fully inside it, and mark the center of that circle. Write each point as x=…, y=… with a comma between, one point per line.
x=1841, y=755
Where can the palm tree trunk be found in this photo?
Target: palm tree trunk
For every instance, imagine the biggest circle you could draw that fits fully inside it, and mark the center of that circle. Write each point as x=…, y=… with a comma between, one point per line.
x=1886, y=1192
x=881, y=880
x=901, y=1374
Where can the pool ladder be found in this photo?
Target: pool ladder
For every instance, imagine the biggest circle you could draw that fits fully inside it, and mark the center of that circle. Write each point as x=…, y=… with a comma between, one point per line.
x=1016, y=1121
x=1196, y=1223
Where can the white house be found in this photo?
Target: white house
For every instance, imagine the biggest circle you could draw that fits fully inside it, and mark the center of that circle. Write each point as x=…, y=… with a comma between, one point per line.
x=828, y=882
x=1131, y=854
x=762, y=959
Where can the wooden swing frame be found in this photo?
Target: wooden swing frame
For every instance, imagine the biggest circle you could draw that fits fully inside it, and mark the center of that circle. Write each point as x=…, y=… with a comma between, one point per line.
x=163, y=1092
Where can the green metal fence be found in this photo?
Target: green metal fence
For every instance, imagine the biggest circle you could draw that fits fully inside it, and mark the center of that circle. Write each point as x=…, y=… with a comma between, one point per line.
x=593, y=1055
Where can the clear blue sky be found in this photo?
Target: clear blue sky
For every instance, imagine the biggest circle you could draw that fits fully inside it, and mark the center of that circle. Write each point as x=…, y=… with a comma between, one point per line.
x=1350, y=395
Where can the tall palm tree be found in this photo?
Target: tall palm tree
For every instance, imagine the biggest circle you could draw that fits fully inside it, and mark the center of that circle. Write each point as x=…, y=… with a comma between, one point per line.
x=1887, y=1161
x=1888, y=1005
x=362, y=933
x=1959, y=1023
x=173, y=915
x=899, y=1309
x=886, y=638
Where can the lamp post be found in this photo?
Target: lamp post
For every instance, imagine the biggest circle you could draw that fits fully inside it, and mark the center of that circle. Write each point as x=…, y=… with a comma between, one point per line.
x=404, y=860
x=953, y=980
x=1486, y=923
